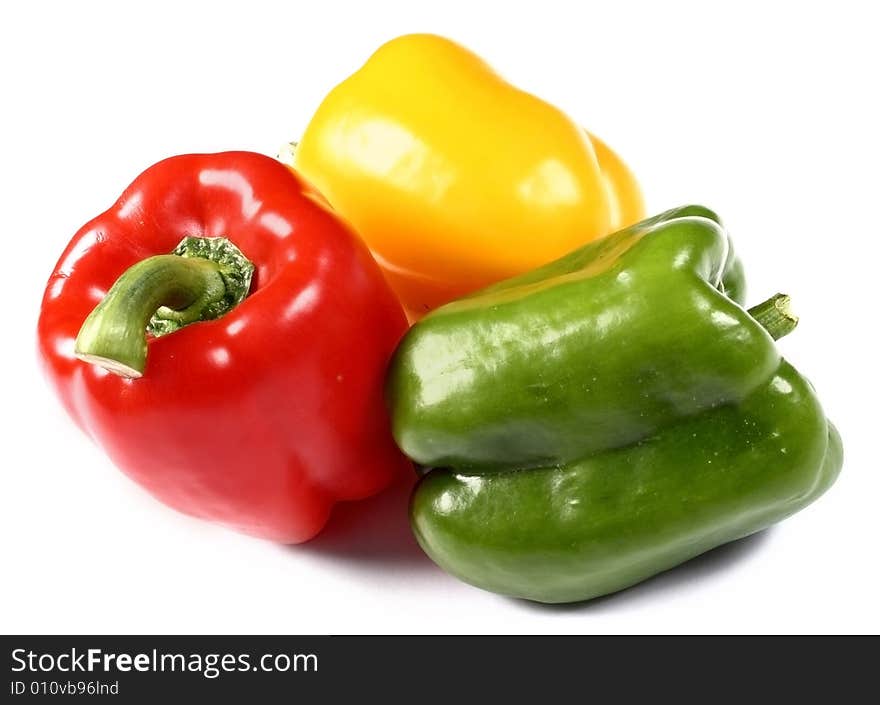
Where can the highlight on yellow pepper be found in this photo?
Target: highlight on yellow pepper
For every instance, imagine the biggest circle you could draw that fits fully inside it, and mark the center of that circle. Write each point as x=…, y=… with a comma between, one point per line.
x=455, y=178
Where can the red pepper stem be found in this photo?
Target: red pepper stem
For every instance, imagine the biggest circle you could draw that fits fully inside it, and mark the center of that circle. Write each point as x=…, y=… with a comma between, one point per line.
x=775, y=315
x=204, y=279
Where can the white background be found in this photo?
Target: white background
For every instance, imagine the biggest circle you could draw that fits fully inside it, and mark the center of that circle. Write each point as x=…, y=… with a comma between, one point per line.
x=766, y=112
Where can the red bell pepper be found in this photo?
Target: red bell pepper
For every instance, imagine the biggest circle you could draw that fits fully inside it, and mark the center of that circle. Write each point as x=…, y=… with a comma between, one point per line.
x=267, y=409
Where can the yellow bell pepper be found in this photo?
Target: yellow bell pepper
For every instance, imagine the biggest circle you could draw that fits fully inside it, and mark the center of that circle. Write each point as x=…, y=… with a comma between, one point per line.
x=455, y=178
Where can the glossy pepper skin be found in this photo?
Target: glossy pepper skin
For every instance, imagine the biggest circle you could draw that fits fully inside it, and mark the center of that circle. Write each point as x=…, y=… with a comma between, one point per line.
x=455, y=178
x=606, y=417
x=259, y=419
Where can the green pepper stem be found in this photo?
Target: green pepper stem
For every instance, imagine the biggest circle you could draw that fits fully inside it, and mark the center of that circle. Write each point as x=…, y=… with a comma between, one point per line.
x=287, y=153
x=775, y=315
x=204, y=279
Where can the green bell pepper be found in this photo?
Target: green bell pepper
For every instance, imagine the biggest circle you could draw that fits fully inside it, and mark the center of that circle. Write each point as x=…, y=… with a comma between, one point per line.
x=606, y=417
